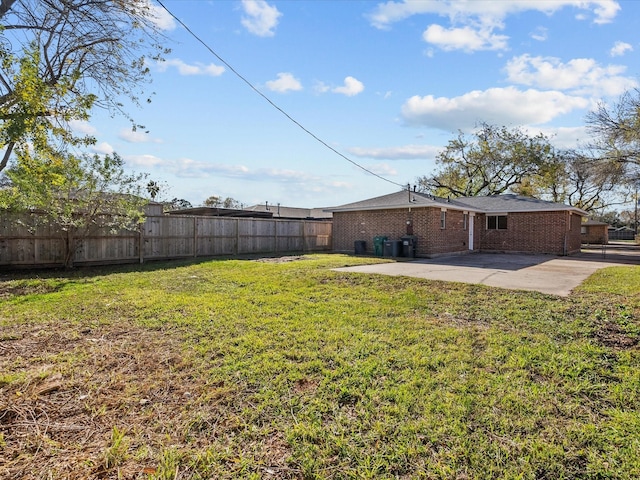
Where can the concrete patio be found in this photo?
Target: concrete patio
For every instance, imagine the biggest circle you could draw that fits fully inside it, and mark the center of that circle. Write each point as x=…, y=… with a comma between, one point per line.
x=542, y=273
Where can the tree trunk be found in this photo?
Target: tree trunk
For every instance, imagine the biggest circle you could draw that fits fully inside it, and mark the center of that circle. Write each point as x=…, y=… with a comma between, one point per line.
x=5, y=6
x=7, y=154
x=70, y=249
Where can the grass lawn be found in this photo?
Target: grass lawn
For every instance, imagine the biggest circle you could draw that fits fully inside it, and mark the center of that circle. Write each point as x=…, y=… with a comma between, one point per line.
x=288, y=370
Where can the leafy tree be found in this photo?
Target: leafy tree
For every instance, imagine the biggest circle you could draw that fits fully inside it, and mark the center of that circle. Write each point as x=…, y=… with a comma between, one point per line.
x=61, y=58
x=230, y=203
x=153, y=188
x=77, y=195
x=216, y=201
x=213, y=201
x=493, y=160
x=176, y=204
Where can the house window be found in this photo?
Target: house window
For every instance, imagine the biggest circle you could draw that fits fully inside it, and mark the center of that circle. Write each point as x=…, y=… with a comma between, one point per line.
x=465, y=221
x=443, y=219
x=496, y=222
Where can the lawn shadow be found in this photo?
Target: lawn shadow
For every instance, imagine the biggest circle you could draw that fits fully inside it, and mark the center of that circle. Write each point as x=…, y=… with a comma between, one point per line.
x=83, y=272
x=619, y=253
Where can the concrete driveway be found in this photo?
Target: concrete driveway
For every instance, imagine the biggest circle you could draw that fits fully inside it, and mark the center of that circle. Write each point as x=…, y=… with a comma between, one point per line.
x=541, y=273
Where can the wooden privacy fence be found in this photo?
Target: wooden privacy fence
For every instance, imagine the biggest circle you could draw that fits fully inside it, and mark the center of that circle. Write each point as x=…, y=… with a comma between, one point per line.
x=162, y=238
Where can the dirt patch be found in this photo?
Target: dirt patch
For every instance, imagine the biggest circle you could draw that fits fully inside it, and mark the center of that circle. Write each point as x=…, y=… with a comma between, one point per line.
x=20, y=289
x=292, y=258
x=118, y=401
x=613, y=336
x=77, y=395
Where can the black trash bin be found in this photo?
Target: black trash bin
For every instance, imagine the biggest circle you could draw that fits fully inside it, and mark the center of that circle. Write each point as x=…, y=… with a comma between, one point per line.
x=409, y=246
x=360, y=247
x=378, y=244
x=392, y=248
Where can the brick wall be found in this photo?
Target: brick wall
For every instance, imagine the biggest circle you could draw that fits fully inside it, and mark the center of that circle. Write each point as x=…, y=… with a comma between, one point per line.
x=424, y=224
x=533, y=232
x=595, y=234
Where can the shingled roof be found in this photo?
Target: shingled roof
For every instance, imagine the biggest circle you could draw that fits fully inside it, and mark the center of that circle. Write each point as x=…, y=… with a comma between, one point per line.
x=488, y=204
x=514, y=203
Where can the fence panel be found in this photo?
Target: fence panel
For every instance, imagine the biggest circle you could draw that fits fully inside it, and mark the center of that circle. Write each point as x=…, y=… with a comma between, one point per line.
x=26, y=241
x=216, y=236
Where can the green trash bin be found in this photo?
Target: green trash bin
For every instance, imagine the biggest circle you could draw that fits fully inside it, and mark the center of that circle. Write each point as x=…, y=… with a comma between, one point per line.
x=378, y=245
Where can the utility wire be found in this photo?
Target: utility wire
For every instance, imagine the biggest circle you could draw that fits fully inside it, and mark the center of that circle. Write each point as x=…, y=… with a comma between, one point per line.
x=241, y=77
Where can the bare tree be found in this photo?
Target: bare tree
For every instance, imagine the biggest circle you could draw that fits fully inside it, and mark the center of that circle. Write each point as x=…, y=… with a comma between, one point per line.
x=592, y=183
x=616, y=129
x=61, y=58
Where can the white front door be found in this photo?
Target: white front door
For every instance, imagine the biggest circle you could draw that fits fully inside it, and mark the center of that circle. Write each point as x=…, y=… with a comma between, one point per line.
x=471, y=217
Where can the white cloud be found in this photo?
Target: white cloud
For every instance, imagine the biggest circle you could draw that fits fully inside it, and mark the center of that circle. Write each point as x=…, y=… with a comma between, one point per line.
x=195, y=69
x=351, y=87
x=540, y=34
x=261, y=18
x=486, y=12
x=562, y=137
x=620, y=48
x=465, y=38
x=605, y=10
x=502, y=106
x=321, y=87
x=404, y=152
x=102, y=148
x=580, y=76
x=383, y=169
x=160, y=17
x=136, y=136
x=473, y=23
x=144, y=161
x=82, y=127
x=189, y=168
x=286, y=82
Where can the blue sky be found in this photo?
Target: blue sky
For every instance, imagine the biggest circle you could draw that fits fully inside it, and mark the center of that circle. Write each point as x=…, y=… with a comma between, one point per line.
x=386, y=84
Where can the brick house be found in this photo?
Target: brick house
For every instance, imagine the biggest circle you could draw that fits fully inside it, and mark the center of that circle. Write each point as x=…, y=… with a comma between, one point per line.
x=497, y=223
x=594, y=232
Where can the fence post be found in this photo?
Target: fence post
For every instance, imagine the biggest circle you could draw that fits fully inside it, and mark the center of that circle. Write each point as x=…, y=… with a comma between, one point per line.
x=304, y=236
x=236, y=247
x=195, y=237
x=275, y=235
x=141, y=241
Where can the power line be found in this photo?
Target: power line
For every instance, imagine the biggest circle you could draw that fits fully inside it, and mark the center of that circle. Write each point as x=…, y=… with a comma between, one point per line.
x=241, y=77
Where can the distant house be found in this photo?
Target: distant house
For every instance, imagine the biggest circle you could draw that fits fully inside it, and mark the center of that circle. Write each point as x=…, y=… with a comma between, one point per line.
x=218, y=212
x=594, y=232
x=278, y=211
x=498, y=223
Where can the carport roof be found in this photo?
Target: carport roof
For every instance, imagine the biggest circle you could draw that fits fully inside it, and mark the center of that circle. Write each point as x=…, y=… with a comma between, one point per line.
x=488, y=204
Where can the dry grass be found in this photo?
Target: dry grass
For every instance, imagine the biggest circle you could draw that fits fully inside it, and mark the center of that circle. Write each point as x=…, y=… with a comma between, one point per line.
x=284, y=369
